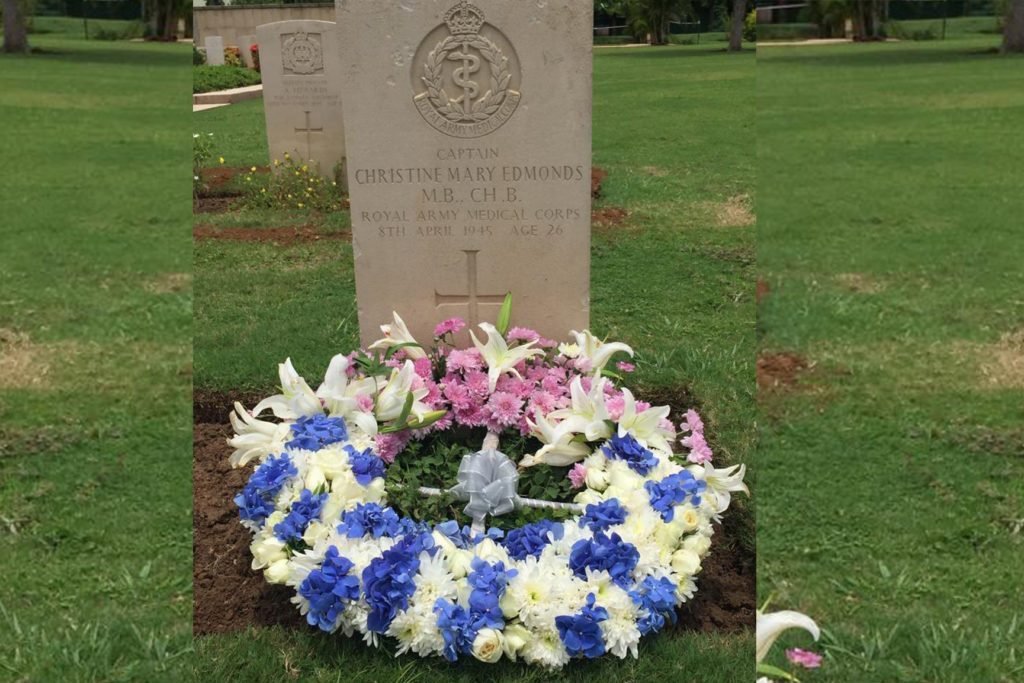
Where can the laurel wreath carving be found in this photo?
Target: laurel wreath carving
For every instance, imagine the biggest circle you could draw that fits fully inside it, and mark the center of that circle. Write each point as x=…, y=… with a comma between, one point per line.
x=490, y=102
x=303, y=66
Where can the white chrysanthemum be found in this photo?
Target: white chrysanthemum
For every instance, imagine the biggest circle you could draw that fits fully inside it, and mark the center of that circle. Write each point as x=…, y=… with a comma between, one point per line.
x=546, y=647
x=532, y=592
x=433, y=581
x=620, y=632
x=572, y=532
x=416, y=630
x=685, y=589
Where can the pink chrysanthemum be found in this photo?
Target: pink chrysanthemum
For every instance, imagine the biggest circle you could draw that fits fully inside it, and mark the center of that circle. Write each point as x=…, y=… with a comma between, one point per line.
x=804, y=658
x=423, y=368
x=389, y=445
x=623, y=366
x=700, y=452
x=450, y=326
x=505, y=408
x=692, y=423
x=464, y=360
x=578, y=475
x=365, y=402
x=523, y=334
x=616, y=405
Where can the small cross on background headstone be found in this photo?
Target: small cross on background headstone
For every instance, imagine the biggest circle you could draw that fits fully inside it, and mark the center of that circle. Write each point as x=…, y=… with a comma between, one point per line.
x=309, y=130
x=473, y=298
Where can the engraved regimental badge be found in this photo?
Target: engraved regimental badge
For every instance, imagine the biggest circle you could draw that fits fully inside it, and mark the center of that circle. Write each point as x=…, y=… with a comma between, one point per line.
x=301, y=53
x=466, y=75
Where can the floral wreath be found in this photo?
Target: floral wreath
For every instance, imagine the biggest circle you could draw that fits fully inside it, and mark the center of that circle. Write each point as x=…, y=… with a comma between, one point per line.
x=588, y=577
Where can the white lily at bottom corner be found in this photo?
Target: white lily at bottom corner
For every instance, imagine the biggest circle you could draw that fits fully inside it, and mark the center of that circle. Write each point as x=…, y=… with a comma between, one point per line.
x=254, y=439
x=770, y=625
x=722, y=482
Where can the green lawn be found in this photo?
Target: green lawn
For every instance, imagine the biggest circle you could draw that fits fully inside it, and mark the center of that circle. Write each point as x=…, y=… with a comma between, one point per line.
x=891, y=476
x=673, y=127
x=95, y=363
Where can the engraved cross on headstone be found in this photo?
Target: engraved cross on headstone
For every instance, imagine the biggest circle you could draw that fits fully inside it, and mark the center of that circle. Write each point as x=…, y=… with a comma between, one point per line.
x=473, y=298
x=309, y=130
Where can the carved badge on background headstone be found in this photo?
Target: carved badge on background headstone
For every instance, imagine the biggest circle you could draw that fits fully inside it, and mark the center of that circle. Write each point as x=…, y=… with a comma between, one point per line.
x=302, y=53
x=466, y=75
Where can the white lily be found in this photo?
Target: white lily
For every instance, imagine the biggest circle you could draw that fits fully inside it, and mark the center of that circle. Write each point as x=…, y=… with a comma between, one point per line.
x=770, y=627
x=722, y=482
x=499, y=357
x=596, y=351
x=391, y=400
x=589, y=413
x=398, y=333
x=297, y=399
x=340, y=396
x=559, y=449
x=254, y=438
x=645, y=426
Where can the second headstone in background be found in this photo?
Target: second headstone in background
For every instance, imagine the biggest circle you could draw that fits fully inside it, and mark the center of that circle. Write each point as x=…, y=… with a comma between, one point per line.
x=299, y=63
x=214, y=50
x=469, y=160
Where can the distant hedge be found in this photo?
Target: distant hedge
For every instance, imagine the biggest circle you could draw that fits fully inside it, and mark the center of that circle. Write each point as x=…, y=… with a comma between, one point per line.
x=209, y=78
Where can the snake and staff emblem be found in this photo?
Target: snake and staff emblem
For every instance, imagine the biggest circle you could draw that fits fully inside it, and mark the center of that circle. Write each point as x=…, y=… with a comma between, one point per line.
x=470, y=75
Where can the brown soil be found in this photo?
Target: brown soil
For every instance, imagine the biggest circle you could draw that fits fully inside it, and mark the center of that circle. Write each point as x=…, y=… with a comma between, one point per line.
x=609, y=216
x=280, y=236
x=230, y=596
x=597, y=176
x=205, y=204
x=218, y=178
x=763, y=290
x=726, y=587
x=780, y=370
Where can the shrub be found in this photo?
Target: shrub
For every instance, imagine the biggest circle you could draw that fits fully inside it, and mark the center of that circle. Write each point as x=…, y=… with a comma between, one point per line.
x=294, y=184
x=209, y=78
x=198, y=58
x=202, y=150
x=750, y=27
x=232, y=56
x=255, y=51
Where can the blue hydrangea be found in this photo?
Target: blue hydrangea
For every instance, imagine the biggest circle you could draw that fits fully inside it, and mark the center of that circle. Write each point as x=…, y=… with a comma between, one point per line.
x=673, y=490
x=488, y=582
x=369, y=518
x=456, y=627
x=602, y=516
x=531, y=539
x=581, y=633
x=611, y=554
x=388, y=580
x=256, y=501
x=366, y=466
x=459, y=536
x=657, y=599
x=305, y=509
x=315, y=432
x=629, y=450
x=329, y=589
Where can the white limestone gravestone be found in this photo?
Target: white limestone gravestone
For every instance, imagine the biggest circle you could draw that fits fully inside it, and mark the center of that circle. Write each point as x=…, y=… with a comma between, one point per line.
x=469, y=157
x=302, y=85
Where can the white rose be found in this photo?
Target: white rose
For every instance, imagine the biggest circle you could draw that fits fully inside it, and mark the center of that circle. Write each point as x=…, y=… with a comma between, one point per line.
x=331, y=461
x=596, y=479
x=689, y=517
x=458, y=562
x=588, y=497
x=621, y=476
x=316, y=531
x=490, y=551
x=315, y=479
x=686, y=562
x=698, y=543
x=278, y=572
x=488, y=645
x=516, y=638
x=266, y=551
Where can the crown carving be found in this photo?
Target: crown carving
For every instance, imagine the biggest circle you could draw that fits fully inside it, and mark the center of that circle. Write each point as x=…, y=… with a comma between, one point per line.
x=464, y=19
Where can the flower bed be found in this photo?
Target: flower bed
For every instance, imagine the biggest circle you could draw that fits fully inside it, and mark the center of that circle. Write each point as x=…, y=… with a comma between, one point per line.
x=583, y=529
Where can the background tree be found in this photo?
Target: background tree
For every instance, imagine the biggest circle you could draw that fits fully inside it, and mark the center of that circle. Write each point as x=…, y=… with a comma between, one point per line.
x=1013, y=27
x=739, y=13
x=647, y=17
x=15, y=29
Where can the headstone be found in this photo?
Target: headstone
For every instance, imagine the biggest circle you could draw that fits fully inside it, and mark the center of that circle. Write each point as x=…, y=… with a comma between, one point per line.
x=302, y=83
x=214, y=50
x=245, y=44
x=469, y=158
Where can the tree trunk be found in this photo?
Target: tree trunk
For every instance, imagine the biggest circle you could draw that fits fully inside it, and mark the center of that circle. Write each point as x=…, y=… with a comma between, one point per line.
x=739, y=13
x=1013, y=28
x=15, y=33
